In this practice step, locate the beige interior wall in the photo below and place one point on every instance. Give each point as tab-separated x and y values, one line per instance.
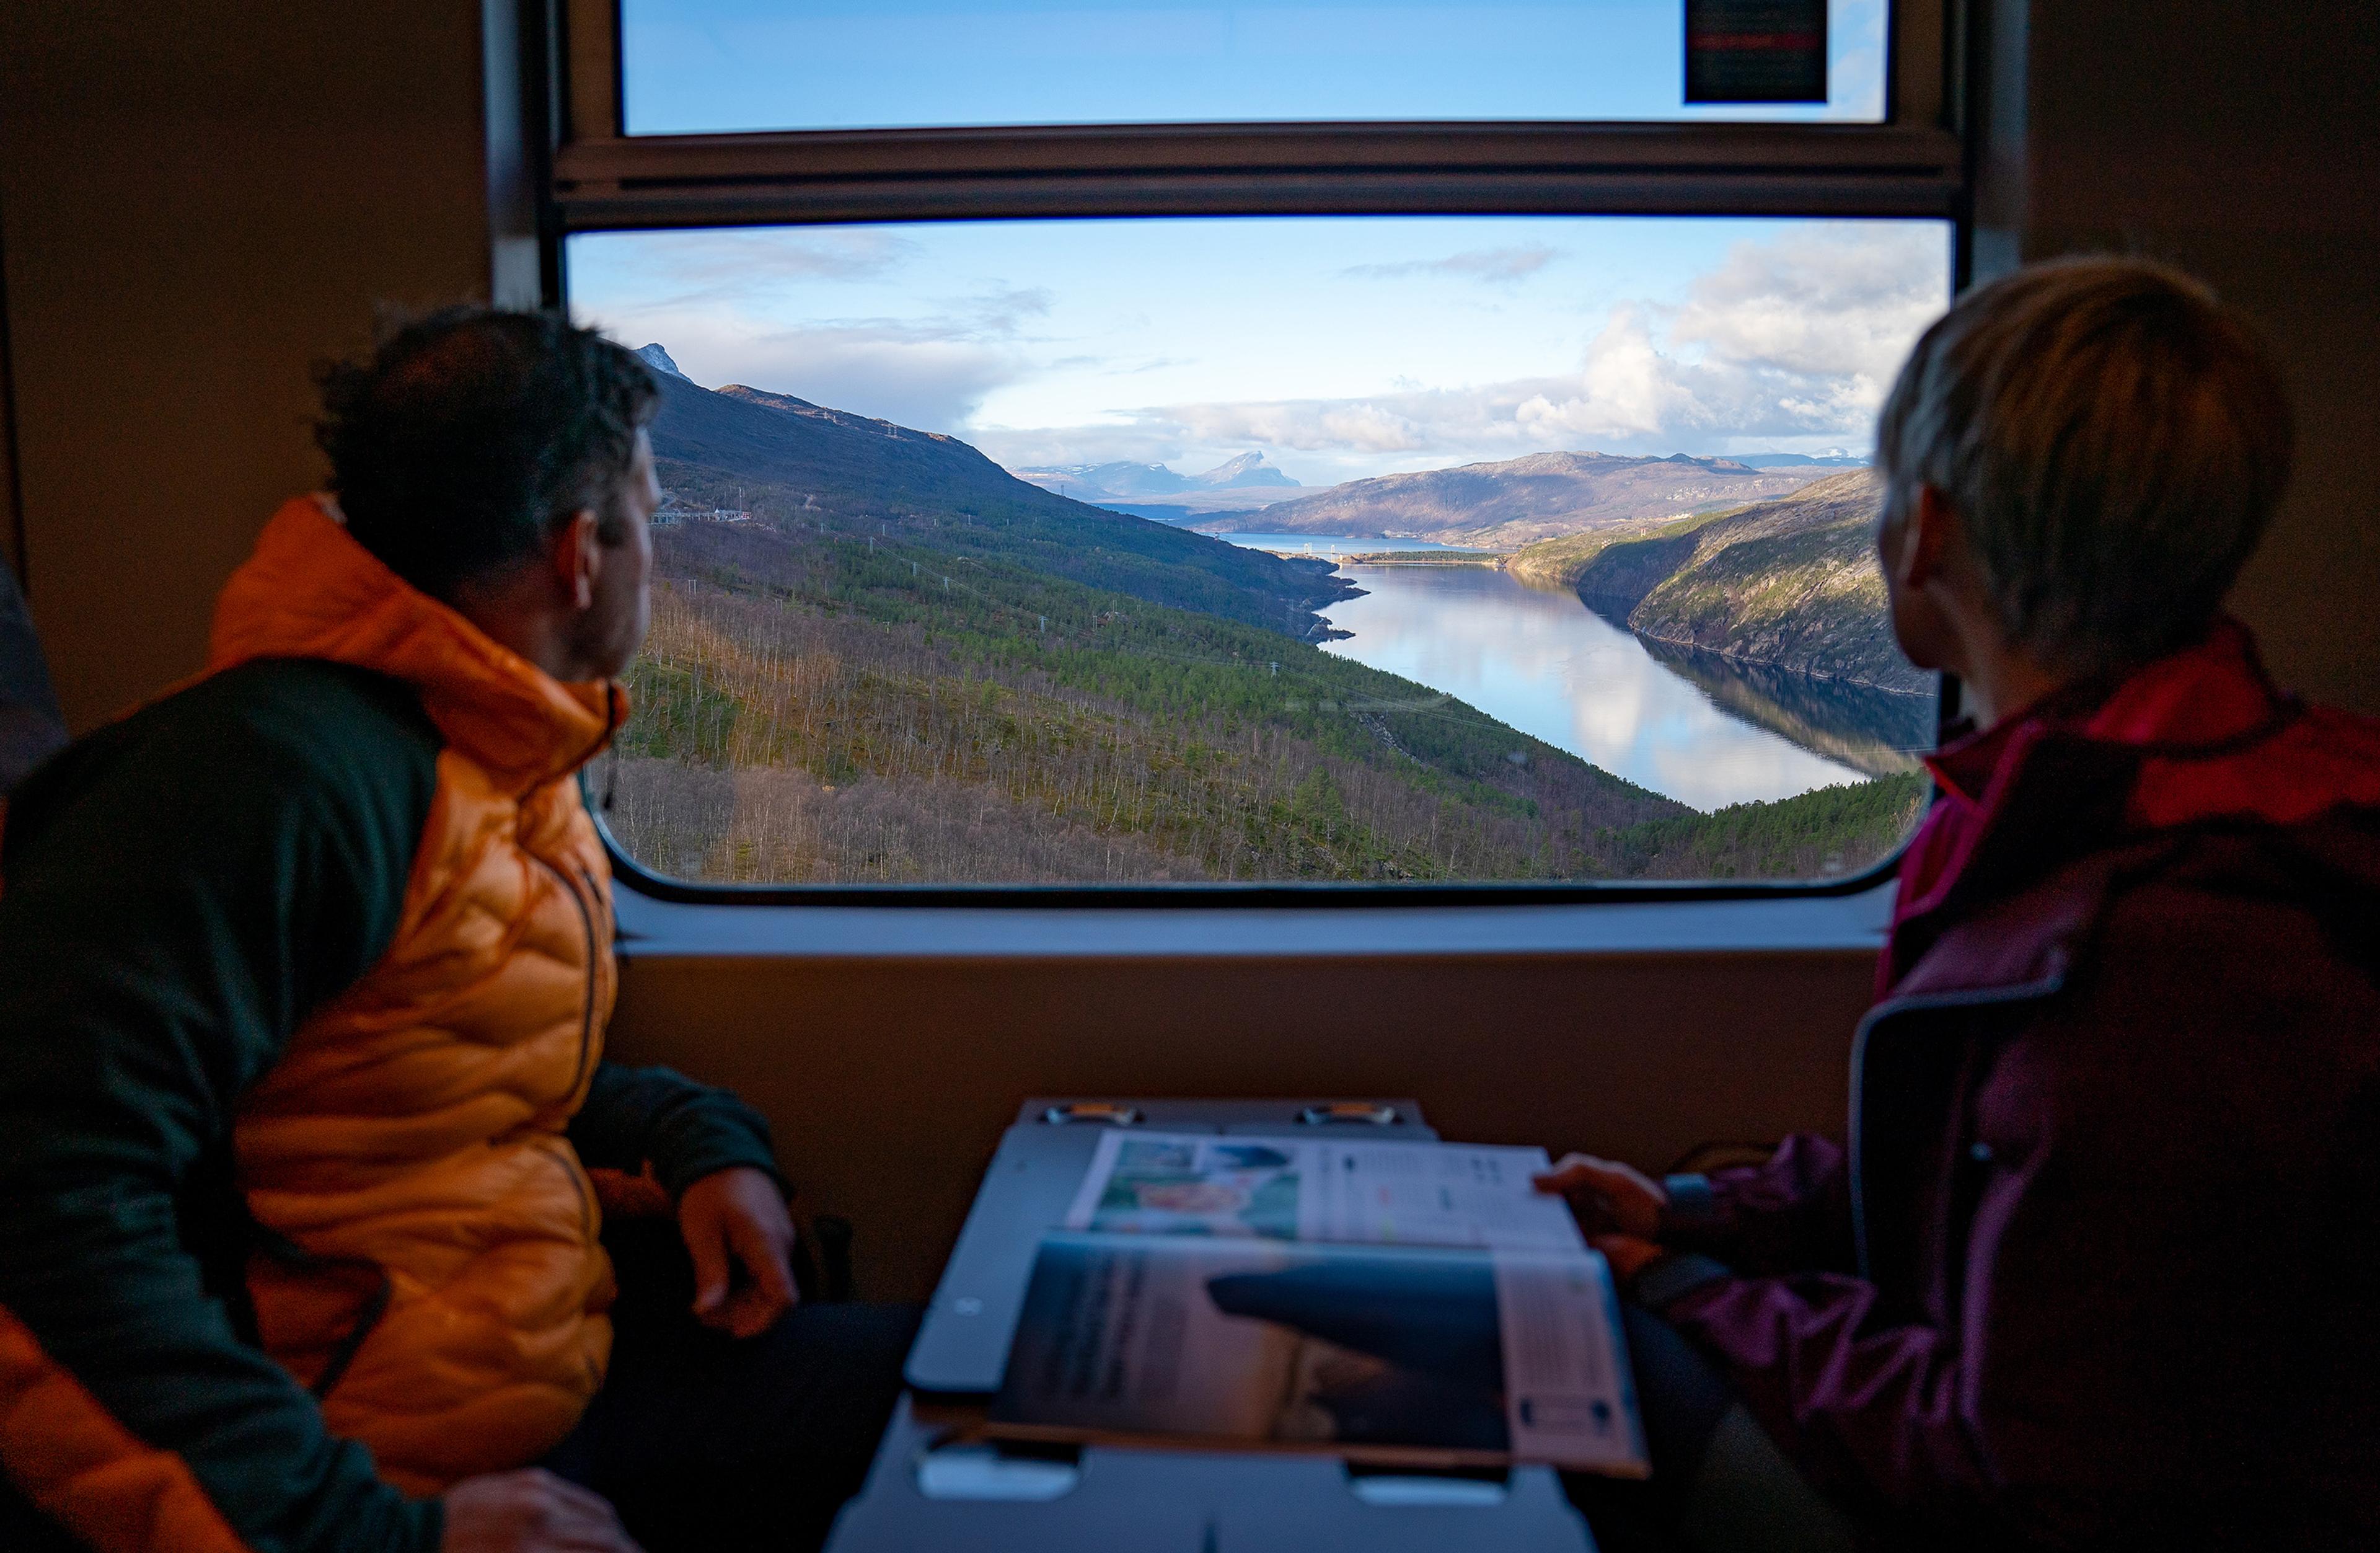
2239	141
198	204
889	1082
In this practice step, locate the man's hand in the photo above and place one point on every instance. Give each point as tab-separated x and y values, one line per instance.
529	1511
1607	1197
739	1213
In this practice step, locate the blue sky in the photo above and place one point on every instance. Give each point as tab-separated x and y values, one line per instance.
1341	347
725	65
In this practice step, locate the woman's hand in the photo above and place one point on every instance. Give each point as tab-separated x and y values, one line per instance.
1607	1197
738	1214
1628	1255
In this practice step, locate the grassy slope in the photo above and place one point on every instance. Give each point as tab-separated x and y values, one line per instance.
1831	831
1212	748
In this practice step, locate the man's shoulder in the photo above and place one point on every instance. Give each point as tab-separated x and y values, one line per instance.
306	704
275	734
292	717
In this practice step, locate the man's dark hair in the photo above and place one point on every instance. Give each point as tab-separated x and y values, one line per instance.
460	445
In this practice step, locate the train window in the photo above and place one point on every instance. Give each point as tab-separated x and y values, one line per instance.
1436	549
711	66
1406	477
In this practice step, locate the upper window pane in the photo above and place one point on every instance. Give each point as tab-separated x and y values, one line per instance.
1429	549
712	65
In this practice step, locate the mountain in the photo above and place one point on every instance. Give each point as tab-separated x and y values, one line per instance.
1243	475
1247	470
1091	482
1834	459
1504	505
1791	582
805	465
659	359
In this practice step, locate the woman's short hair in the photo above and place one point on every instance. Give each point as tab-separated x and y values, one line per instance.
460	446
2113	438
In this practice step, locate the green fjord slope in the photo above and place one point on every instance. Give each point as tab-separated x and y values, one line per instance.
1790	583
830	472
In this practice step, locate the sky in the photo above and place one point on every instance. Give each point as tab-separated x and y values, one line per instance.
692	65
1341	346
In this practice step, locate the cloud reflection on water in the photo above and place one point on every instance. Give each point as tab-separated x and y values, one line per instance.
1543	663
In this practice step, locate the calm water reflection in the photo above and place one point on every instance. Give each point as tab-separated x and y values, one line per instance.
1545	663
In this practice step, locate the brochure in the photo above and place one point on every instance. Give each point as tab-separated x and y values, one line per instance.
1399	1303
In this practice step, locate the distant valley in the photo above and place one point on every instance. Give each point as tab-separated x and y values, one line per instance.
1504	505
1155	491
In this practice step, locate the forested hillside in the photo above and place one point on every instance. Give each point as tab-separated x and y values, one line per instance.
1791	582
810	710
830	472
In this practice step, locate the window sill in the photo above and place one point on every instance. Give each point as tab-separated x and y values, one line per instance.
655	928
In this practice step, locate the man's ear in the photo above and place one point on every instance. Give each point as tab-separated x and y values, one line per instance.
578	558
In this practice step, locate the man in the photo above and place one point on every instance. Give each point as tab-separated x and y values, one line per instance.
307	967
2097	1268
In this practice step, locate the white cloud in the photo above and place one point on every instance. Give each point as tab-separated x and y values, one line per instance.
1790	341
1826	301
1368	426
930	377
1502	265
931	372
680	269
1787	341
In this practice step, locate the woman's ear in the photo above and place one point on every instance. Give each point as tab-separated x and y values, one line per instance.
1930	533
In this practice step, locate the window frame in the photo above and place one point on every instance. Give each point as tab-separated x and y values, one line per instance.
590	176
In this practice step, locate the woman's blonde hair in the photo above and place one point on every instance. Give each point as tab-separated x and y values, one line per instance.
2114	439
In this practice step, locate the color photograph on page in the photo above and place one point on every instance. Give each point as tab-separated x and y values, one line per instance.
1389	1193
1421	1356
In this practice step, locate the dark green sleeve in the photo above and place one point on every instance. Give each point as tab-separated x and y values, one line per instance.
686	1130
179	891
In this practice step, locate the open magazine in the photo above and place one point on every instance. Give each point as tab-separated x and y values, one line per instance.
1415	1303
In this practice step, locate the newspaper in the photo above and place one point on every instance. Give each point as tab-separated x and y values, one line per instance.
1390	1302
1385	1193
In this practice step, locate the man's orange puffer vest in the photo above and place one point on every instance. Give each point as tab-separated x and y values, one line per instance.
405	1156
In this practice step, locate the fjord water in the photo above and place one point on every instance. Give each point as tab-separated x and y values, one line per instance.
1331	546
1547	665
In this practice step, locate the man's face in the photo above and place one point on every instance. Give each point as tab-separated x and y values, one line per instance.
614	626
